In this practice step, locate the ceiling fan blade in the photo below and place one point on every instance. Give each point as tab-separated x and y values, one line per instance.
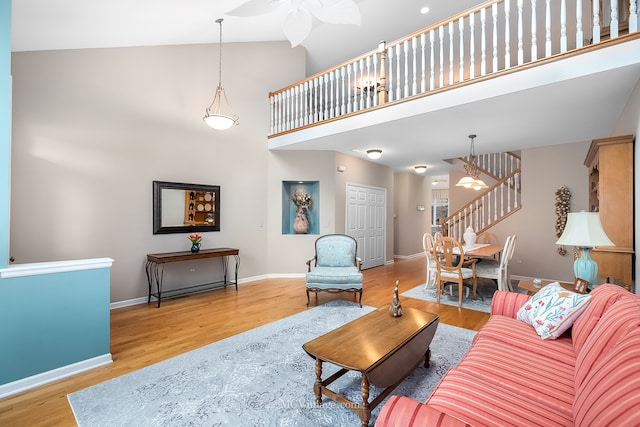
338	12
297	26
254	8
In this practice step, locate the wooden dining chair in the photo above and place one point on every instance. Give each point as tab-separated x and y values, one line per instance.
427	247
451	267
498	270
488	237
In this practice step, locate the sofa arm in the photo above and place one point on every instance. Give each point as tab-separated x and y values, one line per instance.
401	411
507	303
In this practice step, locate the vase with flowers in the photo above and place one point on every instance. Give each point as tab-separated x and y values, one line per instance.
195	239
302	201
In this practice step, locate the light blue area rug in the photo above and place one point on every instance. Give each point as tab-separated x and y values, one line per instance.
261	377
485	291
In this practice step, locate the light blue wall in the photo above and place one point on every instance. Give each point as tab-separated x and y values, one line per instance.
47	321
5	121
52	320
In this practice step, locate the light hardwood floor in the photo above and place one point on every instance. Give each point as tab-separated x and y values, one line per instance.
143	334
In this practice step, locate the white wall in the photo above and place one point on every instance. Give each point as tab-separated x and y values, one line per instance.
93	128
410	224
544	170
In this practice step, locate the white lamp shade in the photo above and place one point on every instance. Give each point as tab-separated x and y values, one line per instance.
219	121
420	169
584	229
465	182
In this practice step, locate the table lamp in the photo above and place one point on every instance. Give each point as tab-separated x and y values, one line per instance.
584	230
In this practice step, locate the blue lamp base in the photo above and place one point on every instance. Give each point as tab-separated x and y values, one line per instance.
585	267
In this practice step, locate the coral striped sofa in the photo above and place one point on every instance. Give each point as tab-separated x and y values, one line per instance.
589	376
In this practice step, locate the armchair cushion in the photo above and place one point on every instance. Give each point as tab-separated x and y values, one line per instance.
320	276
336	251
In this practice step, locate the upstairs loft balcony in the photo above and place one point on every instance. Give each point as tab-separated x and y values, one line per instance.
518	72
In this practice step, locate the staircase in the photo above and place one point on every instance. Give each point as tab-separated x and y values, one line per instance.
495	203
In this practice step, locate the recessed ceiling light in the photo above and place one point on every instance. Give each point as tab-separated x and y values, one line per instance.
424	10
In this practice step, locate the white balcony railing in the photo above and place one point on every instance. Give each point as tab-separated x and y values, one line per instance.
494	37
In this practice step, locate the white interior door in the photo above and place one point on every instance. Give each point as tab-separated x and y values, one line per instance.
366	222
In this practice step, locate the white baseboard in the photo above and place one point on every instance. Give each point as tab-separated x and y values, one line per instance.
53	375
419	254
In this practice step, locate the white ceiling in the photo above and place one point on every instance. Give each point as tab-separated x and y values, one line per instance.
577	109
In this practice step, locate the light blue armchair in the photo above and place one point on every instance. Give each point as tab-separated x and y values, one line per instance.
335	267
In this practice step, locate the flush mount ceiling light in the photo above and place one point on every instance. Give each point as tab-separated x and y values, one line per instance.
215	116
374	154
472	178
420	168
298	21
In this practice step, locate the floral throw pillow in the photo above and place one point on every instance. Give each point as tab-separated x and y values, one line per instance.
553	310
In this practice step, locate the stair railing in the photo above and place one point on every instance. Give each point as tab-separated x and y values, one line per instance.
493	37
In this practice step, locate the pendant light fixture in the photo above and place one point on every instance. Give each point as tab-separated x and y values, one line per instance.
215	116
472	178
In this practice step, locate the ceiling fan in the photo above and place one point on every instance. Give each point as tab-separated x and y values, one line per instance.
298	21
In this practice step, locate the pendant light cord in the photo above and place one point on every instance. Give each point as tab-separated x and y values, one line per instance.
219	21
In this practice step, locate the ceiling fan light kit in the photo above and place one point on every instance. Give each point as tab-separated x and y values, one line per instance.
298	22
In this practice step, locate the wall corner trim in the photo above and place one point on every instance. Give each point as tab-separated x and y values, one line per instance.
40	268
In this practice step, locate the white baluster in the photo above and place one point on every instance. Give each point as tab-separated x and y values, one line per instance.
501	200
294	107
405	48
343	108
414	83
316	102
579	32
472	47
516	186
534	31
509	191
507	35
495	205
289	118
441	34
375	79
327	103
563	26
305	103
332	111
633	16
369	81
272	111
423	62
349	86
547	34
432	61
392	94
520	33
398	74
355	86
596	21
613	27
362	88
451	32
461	64
483	42
494	10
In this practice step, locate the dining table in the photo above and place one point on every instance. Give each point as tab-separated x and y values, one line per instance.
482	250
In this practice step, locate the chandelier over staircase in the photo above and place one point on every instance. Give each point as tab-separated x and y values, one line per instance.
472	177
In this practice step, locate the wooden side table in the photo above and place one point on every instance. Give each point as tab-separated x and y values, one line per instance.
156	263
531	288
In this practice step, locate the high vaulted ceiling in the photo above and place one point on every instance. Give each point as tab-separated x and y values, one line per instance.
571	110
73	24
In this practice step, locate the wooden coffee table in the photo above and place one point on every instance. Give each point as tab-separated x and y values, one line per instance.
382	348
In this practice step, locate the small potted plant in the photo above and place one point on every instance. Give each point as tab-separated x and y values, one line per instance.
195	241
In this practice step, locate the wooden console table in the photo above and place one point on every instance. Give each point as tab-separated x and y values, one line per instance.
156	263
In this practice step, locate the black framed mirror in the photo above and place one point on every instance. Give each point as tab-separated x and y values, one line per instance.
185	208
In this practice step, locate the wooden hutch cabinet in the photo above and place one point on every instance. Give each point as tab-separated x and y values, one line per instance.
610	163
